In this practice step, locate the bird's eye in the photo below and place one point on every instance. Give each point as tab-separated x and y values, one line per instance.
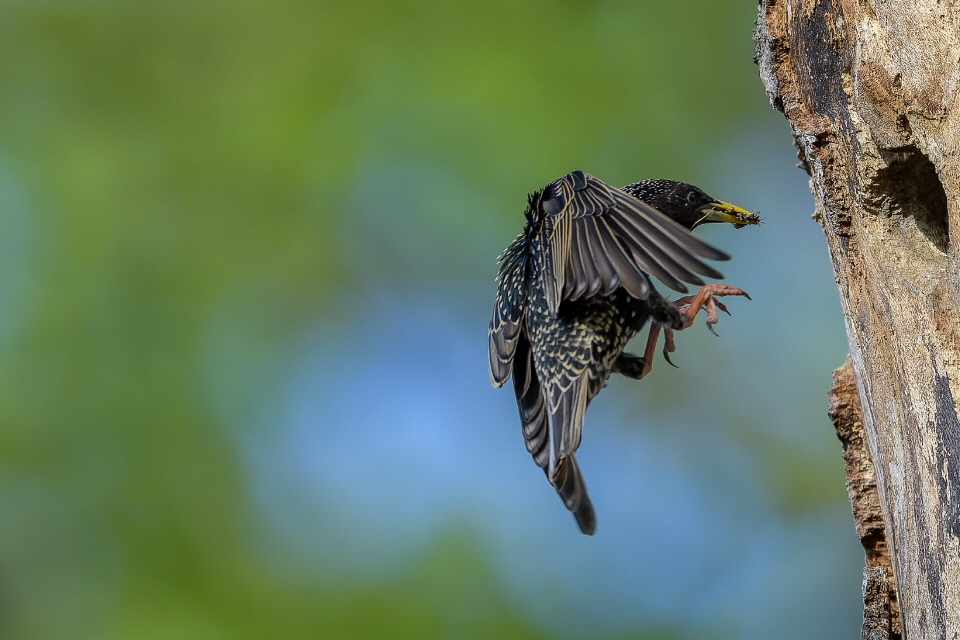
692	197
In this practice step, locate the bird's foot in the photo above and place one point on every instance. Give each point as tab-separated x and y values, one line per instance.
689	306
706	298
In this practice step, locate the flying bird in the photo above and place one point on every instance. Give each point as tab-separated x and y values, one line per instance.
574	287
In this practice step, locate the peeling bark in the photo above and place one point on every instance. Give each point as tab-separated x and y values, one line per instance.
881	615
870	89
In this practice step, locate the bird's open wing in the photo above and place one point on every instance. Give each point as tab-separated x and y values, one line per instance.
507	310
596	237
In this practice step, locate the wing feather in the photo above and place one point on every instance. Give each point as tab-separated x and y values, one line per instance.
631	277
567	478
651	259
596	237
645	230
608	275
508	309
591	275
641	211
574	288
533	414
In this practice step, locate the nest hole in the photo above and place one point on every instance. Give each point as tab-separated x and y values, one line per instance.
909	187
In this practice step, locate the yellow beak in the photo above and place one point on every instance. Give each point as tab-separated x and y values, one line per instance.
718	211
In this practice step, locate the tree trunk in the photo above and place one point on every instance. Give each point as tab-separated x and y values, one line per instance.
870	88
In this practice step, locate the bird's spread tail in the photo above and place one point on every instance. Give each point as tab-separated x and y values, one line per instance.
568	481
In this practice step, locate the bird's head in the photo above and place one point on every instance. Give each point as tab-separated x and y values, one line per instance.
688	205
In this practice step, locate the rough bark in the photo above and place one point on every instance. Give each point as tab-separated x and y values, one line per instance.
870	90
881	615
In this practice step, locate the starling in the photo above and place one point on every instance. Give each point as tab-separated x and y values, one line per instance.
574	287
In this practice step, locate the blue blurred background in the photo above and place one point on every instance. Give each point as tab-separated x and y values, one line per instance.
246	267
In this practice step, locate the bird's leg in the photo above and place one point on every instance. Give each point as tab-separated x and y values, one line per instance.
663	313
630	365
634	366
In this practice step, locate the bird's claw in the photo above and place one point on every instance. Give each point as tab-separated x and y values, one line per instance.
668	346
706	298
689	306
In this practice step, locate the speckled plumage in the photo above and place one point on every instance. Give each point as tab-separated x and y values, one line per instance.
573	288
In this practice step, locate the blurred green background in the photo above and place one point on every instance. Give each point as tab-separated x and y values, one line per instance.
246	266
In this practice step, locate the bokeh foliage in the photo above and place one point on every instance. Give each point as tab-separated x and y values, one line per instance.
176	176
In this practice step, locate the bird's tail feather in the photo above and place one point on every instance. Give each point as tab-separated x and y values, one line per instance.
569	483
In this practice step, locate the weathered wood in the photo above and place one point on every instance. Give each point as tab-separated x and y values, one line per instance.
870	90
881	614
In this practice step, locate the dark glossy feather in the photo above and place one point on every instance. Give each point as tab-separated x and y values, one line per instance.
533	413
579	210
572	289
573	491
508	310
